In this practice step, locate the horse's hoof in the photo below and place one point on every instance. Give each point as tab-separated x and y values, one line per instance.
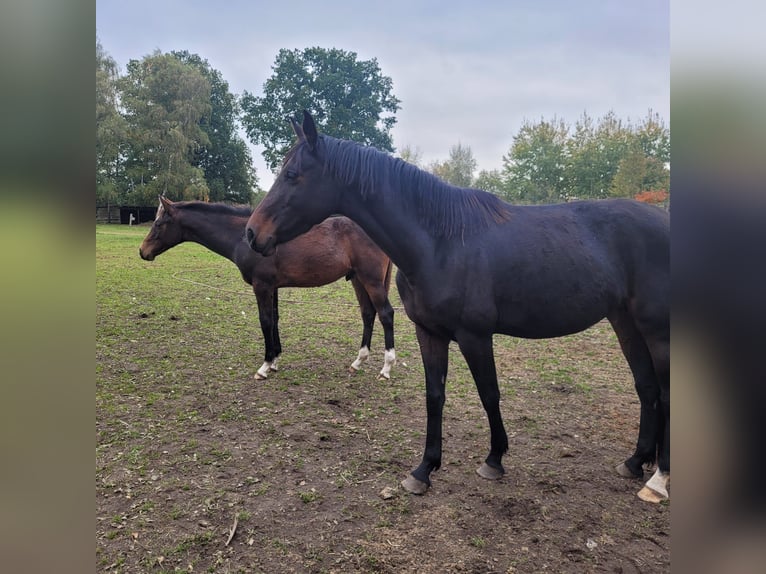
489	472
353	370
259	377
648	495
623	470
414	486
384	377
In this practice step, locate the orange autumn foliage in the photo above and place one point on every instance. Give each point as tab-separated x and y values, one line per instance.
652	196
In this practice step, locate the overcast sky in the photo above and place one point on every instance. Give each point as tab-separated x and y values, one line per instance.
468	72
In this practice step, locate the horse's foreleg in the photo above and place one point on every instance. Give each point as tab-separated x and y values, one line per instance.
266	316
434	351
480	357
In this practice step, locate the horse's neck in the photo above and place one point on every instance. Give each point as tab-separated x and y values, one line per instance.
219	232
393	227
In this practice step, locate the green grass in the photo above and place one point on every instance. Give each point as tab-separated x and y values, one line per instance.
185	435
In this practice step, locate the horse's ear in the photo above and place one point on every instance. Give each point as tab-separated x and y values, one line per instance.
310	130
297	129
167	205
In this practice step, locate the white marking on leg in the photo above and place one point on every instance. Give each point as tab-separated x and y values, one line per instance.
363	355
273	365
263	372
656	488
389	359
658	483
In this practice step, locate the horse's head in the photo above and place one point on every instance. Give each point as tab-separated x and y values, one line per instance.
165	232
302	194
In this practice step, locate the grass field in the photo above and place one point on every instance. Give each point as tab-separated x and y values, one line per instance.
188	443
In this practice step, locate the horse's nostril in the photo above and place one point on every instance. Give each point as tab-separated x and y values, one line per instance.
250	235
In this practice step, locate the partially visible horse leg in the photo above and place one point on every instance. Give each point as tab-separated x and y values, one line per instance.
434	351
386	315
368	322
658	341
479	355
275	332
375	291
266	297
640	361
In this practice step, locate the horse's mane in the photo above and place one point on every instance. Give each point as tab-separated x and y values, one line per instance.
443	209
218	208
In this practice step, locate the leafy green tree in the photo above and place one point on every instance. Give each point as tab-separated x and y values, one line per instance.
165	101
348	98
638	172
595	154
548	162
111	129
459	168
631	172
226	160
493	182
536	165
654	138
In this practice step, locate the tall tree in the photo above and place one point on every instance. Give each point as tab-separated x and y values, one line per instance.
595	155
631	172
111	129
226	160
349	98
638	172
654	137
536	165
459	168
165	101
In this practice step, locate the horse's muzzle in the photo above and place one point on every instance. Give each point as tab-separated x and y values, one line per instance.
265	248
145	256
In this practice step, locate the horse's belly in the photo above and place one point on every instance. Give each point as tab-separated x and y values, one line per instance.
548	321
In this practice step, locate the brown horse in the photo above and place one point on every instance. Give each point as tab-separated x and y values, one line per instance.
335	248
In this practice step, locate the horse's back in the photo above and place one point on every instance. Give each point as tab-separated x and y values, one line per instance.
559	269
337	247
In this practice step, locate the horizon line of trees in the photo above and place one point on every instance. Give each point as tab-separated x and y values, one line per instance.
550	161
169	126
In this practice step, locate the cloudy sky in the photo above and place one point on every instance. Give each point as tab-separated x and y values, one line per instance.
467	72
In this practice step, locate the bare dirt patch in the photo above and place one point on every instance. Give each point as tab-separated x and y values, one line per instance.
187	442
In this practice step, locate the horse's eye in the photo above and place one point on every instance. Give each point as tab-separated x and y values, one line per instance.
291	175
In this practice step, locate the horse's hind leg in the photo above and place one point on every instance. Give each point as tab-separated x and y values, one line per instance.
386	315
657	337
368	321
641	365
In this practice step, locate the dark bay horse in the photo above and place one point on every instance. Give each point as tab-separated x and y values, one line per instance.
471	265
333	249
